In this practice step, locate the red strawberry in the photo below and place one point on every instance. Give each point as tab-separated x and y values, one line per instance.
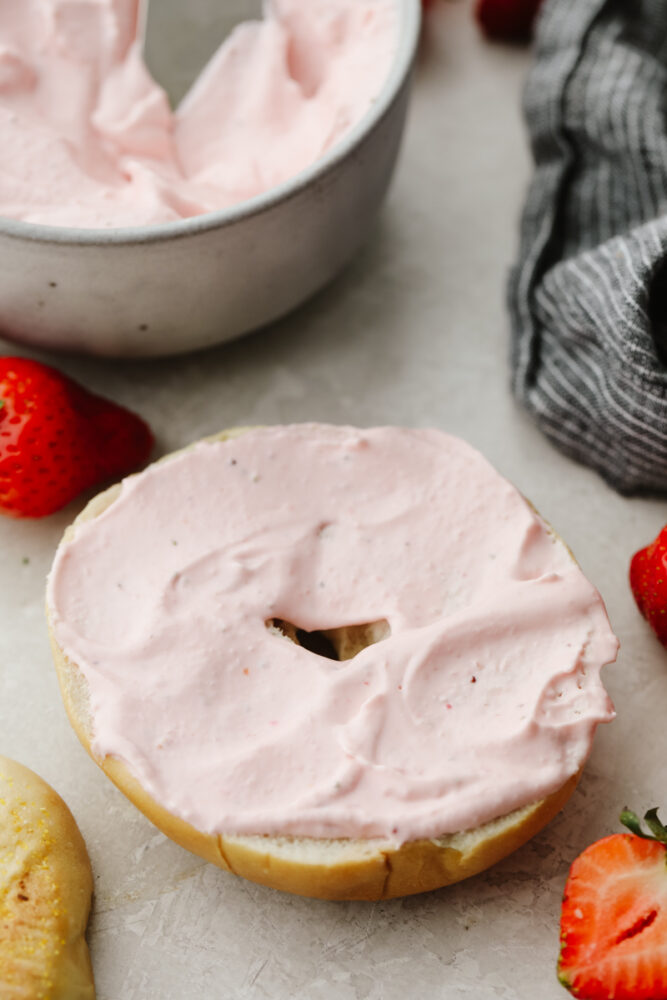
648	582
508	20
613	928
57	439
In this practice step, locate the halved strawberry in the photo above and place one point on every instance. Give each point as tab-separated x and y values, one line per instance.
614	916
57	439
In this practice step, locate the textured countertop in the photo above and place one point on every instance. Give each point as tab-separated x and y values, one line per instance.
414	333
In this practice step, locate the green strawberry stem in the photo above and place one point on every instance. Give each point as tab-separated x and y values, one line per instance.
633	823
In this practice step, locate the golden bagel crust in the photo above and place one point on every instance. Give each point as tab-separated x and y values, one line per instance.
46	887
324	869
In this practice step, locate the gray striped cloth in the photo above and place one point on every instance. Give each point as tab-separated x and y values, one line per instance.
588	297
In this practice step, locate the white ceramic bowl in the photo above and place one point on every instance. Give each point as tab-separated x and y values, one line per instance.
163	289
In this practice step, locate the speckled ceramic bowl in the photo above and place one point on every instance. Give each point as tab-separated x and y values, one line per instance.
183	285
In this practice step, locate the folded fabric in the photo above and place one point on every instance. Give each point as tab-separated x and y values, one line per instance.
588	297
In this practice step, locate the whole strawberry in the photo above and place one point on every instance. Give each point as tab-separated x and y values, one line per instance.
57	439
648	582
508	20
613	929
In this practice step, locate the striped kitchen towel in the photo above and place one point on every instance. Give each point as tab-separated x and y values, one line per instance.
588	297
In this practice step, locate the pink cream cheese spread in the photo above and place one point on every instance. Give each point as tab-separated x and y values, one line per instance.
484	696
88	139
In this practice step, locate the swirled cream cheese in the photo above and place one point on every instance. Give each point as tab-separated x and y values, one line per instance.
483	697
88	139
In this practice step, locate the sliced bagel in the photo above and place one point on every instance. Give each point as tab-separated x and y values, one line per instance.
325	869
45	892
338	869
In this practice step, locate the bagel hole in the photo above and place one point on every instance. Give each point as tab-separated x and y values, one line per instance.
341	643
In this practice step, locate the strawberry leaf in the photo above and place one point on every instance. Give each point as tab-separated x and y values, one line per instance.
658	830
633	823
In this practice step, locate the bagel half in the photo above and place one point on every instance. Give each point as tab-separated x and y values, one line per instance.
341	869
45	891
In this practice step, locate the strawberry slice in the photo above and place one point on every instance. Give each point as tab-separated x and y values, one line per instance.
57	439
648	582
614	916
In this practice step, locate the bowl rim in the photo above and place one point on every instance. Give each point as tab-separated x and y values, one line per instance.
408	30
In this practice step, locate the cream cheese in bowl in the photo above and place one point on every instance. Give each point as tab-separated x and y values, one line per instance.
132	230
87	137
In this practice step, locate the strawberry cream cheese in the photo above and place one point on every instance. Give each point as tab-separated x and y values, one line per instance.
483	697
88	139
